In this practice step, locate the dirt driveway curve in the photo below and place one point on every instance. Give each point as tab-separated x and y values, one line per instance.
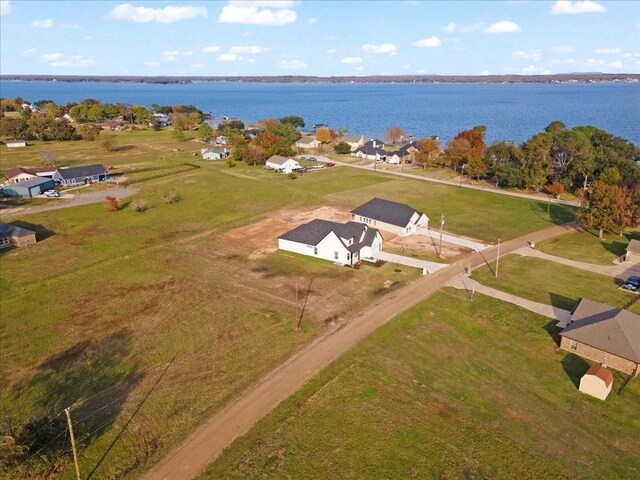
208	442
79	199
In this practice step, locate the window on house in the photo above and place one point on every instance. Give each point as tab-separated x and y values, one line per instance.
315	250
348	256
4	241
573	345
335	255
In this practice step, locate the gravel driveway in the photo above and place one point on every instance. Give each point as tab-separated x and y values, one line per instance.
79	199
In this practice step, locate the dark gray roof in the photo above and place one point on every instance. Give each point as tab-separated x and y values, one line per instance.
84	171
7	230
32	182
368	149
612	330
386	211
313	232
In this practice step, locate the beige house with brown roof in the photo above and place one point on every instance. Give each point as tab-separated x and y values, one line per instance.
597	381
604	334
633	252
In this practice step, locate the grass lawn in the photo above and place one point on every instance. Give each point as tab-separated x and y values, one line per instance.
554	284
585	246
95	311
449	389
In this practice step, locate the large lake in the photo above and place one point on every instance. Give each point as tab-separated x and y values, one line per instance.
510	111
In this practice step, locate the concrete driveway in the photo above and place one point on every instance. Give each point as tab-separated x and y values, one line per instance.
79	199
411	262
453	239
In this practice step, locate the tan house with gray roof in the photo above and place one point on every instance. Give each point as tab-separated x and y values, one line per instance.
633	252
604	334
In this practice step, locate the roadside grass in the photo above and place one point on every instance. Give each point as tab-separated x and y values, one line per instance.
554	284
585	246
448	389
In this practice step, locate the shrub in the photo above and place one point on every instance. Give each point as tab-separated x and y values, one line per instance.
139	205
171	197
342	147
292	176
112	204
555	189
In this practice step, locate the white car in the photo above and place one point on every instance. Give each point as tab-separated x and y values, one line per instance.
51	193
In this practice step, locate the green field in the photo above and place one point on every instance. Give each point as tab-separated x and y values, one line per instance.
95	312
554	284
449	389
585	246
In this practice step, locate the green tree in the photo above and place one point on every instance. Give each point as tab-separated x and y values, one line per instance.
89	131
13	127
178	133
296	121
536	161
205	131
342	148
108	140
606	207
610	176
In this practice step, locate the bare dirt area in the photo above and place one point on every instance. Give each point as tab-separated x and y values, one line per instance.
263	235
422	246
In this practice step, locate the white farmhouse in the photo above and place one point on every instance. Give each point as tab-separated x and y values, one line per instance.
342	243
393	217
308	142
282	164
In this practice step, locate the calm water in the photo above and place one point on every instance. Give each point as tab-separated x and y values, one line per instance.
510	111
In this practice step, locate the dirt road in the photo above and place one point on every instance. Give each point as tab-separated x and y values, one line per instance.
207	443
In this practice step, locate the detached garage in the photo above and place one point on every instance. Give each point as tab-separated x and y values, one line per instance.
29	188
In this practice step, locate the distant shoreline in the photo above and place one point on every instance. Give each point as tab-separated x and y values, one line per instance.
404	79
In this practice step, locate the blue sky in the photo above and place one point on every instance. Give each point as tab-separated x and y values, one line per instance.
318	37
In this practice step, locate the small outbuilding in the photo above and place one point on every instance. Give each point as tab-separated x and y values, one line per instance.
633	252
214	153
16	236
16	143
282	164
30	188
308	142
597	382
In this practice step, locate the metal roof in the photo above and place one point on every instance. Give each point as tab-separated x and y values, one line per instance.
316	230
32	182
84	171
7	230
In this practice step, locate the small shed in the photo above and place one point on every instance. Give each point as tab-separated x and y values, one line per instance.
214	153
633	252
30	188
597	382
16	143
17	236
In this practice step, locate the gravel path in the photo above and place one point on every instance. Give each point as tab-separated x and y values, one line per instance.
207	443
78	199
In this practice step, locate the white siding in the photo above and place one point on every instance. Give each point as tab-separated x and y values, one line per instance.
325	249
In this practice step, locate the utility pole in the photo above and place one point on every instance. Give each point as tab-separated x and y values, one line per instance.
498	258
441	225
549	208
73	442
297	315
461	173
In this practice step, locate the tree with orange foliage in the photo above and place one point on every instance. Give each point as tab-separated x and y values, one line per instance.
112	204
325	135
555	189
394	135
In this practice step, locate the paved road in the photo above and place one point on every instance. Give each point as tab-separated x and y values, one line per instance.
78	199
449	182
410	261
465	283
208	442
453	239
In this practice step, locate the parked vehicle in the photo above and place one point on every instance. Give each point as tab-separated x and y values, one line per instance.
304	158
632	284
312	159
330	164
51	193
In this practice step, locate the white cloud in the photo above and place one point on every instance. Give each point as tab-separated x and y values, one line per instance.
595	62
47	23
312	21
5	7
211	49
527	54
484	73
331	51
51	57
152	64
384	48
406	66
562	49
251	60
360	68
168	14
351	60
74	61
566	7
197	65
422	71
606	51
453	27
532	69
292	64
266	3
188	53
254	13
247	49
616	64
229	57
505	26
428	42
570	61
170	56
29	51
